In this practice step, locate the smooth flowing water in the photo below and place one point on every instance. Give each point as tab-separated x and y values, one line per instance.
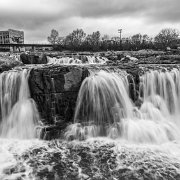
120	141
105	109
19	115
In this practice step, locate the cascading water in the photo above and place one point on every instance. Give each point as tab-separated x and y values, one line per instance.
102	100
162	85
19	115
18	121
85	60
105	109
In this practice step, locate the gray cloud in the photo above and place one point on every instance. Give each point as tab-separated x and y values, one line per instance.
157	10
38	17
107	8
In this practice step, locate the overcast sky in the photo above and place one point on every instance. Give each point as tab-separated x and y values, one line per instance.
38	17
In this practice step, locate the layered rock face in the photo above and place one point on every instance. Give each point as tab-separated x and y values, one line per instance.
55	90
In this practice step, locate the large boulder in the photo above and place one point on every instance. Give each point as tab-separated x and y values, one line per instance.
55	89
25	58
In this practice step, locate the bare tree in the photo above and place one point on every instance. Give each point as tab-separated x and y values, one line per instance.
76	38
136	38
167	37
145	38
54	37
93	40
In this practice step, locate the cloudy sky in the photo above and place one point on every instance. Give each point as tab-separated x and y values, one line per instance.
38	17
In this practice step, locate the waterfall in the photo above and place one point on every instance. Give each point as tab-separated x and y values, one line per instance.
166	85
103	100
104	108
19	115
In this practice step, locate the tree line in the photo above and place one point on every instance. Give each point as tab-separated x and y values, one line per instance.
79	41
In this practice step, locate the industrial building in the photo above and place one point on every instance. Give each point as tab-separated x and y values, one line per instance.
11	36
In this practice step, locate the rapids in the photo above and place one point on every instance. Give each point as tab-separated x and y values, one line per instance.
77	60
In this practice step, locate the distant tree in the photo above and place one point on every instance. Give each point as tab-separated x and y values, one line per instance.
75	39
137	38
54	37
167	37
96	38
136	41
93	40
145	38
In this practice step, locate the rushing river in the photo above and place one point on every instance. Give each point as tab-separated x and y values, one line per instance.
110	138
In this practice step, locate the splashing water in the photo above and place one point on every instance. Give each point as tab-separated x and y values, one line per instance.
19	115
98	158
105	109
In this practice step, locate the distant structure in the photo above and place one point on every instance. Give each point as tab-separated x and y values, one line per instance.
120	31
11	36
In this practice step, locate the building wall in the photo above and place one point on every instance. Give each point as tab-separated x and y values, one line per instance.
4	37
11	36
16	36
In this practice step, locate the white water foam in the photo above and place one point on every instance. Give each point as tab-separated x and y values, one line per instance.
73	60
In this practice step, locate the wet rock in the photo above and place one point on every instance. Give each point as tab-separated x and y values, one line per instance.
7	63
33	58
72	78
24	58
55	90
42	59
129	59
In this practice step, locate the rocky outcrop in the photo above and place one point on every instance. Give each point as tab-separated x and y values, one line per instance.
7	63
117	55
33	58
161	59
55	90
